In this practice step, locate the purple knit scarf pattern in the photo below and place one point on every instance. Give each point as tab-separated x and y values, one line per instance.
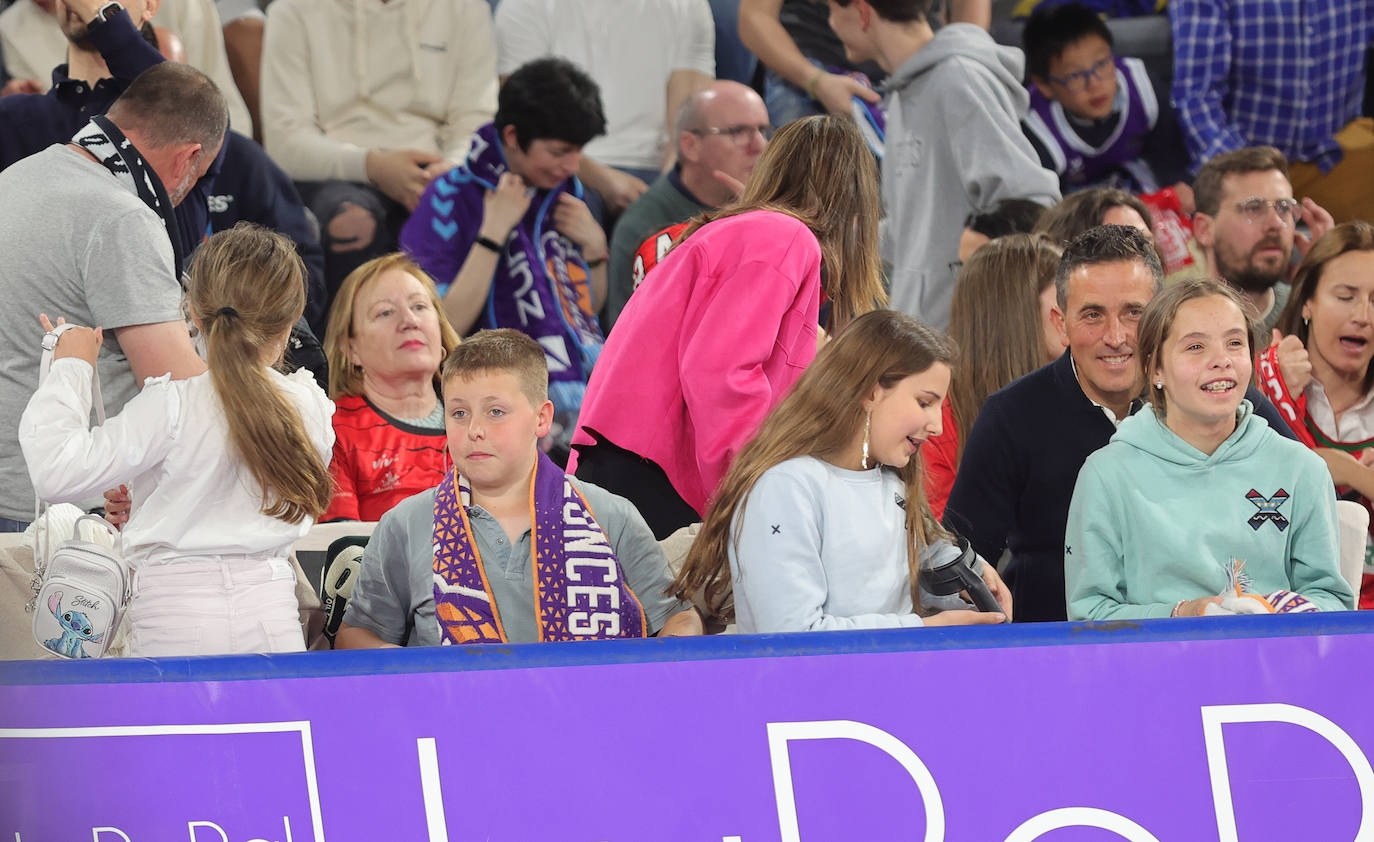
579	588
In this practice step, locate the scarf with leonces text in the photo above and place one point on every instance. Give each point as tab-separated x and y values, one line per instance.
580	591
103	139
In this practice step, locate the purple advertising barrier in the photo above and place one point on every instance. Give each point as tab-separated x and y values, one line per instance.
1245	728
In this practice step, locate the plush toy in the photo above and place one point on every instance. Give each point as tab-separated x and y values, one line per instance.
1236	598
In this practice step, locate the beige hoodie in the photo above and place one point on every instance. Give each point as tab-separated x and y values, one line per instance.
340	77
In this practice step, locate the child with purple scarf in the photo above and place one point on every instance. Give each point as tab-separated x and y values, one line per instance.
508	548
507	237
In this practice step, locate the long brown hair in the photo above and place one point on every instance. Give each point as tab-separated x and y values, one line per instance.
994	319
247	289
819	170
1080	211
1343	239
345	375
822	416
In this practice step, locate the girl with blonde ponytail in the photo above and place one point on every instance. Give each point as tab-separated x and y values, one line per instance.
821	521
225	469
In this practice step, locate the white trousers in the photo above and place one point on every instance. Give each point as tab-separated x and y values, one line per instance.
214	606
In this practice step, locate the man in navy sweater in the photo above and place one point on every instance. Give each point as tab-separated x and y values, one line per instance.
1019	467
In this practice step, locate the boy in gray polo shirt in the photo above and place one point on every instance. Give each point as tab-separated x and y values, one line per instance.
610	577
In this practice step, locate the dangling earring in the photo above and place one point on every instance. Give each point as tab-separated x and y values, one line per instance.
868	419
1306	323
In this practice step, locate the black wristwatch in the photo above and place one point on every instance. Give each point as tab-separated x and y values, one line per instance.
103	14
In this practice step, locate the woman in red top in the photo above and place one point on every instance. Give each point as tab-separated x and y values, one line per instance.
385	339
1318	370
996	320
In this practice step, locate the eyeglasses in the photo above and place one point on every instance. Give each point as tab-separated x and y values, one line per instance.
1256	210
741	134
1079	81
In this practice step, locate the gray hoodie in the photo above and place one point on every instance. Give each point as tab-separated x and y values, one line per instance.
954	147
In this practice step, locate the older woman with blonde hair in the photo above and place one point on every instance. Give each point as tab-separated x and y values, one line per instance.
387	335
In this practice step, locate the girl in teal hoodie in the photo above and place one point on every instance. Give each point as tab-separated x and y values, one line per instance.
1195	482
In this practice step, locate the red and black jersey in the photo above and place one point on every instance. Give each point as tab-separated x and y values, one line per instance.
651	251
379	461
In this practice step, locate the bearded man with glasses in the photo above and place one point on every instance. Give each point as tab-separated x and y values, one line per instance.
1247	224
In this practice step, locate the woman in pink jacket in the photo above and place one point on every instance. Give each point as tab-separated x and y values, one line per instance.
728	320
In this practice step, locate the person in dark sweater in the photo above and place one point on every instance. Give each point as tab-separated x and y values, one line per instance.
1018	471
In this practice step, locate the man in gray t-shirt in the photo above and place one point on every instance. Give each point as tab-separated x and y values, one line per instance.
78	242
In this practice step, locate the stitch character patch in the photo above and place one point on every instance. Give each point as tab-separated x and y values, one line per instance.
1268	509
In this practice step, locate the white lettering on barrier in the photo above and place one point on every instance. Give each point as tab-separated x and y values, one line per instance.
191	829
780	733
95	834
429	785
1037	826
1214	716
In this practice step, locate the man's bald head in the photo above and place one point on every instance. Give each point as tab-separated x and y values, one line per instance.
723	127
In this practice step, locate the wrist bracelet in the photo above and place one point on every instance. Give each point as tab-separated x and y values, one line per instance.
811	85
488	243
1177	606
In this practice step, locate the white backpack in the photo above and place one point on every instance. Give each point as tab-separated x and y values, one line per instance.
82	587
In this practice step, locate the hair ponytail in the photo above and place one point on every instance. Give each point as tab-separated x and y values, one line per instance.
249	284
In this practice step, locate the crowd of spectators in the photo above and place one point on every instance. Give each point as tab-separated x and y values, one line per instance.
851	294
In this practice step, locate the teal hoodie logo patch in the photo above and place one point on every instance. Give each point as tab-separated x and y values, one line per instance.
1268	509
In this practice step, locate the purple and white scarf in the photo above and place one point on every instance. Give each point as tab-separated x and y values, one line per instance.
580	591
542	286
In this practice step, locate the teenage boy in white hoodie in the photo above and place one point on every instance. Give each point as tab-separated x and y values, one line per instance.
365	101
954	145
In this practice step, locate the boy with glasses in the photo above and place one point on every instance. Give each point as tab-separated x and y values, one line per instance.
1094	118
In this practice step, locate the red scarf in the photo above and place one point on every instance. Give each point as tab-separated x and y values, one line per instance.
1294	411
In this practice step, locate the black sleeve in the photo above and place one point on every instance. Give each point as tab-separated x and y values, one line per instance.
1041	152
1265	409
265	195
987	489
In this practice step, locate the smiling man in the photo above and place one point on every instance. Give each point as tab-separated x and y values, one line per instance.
1018	470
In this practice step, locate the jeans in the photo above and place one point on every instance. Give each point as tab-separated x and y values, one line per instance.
7	525
787	102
